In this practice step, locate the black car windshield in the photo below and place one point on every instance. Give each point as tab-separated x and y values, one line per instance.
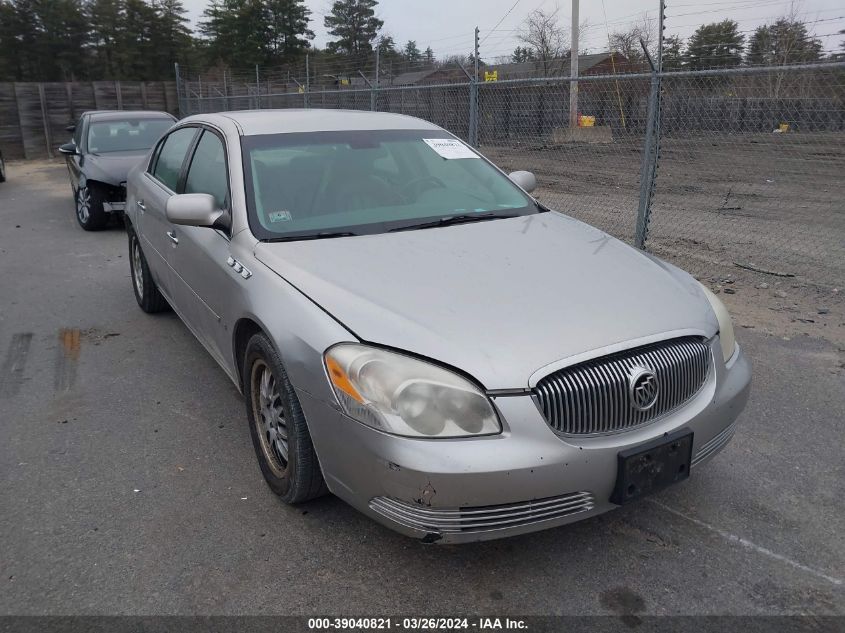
322	184
125	135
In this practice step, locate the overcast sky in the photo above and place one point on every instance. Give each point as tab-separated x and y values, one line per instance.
447	25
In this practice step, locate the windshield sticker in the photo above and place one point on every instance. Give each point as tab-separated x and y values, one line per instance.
280	216
450	148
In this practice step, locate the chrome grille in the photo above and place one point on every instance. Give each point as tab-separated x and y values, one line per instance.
593	397
483	518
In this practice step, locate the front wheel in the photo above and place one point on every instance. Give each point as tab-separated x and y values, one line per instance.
89	208
146	292
279	433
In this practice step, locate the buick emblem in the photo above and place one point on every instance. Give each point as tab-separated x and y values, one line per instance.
642	388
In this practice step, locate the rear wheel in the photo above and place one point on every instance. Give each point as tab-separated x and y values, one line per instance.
89	208
279	433
146	292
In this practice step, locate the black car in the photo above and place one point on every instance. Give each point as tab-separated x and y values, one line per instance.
105	146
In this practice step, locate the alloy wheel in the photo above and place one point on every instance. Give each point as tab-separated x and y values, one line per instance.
83	204
137	267
269	417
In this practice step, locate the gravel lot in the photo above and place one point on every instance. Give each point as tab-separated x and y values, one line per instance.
771	201
129	483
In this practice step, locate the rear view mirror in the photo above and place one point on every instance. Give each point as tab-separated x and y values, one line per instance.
68	148
524	179
193	209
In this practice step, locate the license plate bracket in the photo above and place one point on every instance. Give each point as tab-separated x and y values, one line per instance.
647	468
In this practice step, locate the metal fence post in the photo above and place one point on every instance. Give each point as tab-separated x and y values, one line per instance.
374	93
178	90
257	88
306	101
473	98
648	171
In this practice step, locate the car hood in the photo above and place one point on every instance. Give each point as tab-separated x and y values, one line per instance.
113	167
499	299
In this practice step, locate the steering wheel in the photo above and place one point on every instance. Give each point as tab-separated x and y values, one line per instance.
416	186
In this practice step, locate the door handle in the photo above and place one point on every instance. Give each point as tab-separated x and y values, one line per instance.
140	204
173	237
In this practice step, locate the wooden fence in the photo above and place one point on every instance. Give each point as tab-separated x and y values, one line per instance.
33	116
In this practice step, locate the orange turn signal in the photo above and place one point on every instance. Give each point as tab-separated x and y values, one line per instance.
341	380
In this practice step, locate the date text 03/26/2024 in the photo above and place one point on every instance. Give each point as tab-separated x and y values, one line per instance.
416	624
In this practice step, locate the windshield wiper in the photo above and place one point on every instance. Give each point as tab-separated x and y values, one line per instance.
311	236
464	218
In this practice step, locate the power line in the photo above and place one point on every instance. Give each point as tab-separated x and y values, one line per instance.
499	23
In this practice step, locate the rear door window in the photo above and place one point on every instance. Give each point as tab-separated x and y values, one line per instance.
168	167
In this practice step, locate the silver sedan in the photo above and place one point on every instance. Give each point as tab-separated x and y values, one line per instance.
416	334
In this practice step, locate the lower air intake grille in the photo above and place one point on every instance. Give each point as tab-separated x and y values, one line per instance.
483	518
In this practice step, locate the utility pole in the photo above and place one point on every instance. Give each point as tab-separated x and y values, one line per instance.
476	53
573	73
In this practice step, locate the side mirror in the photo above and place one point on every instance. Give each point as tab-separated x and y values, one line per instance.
524	179
71	127
193	209
68	148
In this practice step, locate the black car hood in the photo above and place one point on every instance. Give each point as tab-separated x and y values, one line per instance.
112	167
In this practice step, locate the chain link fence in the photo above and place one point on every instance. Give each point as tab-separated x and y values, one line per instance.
748	175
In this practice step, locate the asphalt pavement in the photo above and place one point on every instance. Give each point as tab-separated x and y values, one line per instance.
128	483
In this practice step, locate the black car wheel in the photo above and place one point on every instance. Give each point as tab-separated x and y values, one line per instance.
146	292
277	425
2	169
89	208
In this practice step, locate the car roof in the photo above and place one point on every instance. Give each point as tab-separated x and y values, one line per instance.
110	115
252	122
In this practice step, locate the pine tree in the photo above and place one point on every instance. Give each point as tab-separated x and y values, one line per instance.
172	38
673	53
289	34
716	45
105	18
784	42
354	24
428	56
411	53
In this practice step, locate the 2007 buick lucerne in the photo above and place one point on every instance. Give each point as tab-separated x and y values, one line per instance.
416	334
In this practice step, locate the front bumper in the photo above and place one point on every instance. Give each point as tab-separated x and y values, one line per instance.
525	479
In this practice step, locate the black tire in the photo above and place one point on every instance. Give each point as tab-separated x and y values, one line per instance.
293	473
146	292
88	201
2	169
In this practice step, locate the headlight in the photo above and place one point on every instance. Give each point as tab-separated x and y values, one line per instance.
726	328
399	394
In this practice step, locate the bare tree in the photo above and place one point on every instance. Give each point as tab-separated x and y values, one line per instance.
627	42
541	32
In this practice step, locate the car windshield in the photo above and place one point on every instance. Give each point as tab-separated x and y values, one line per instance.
320	184
125	135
